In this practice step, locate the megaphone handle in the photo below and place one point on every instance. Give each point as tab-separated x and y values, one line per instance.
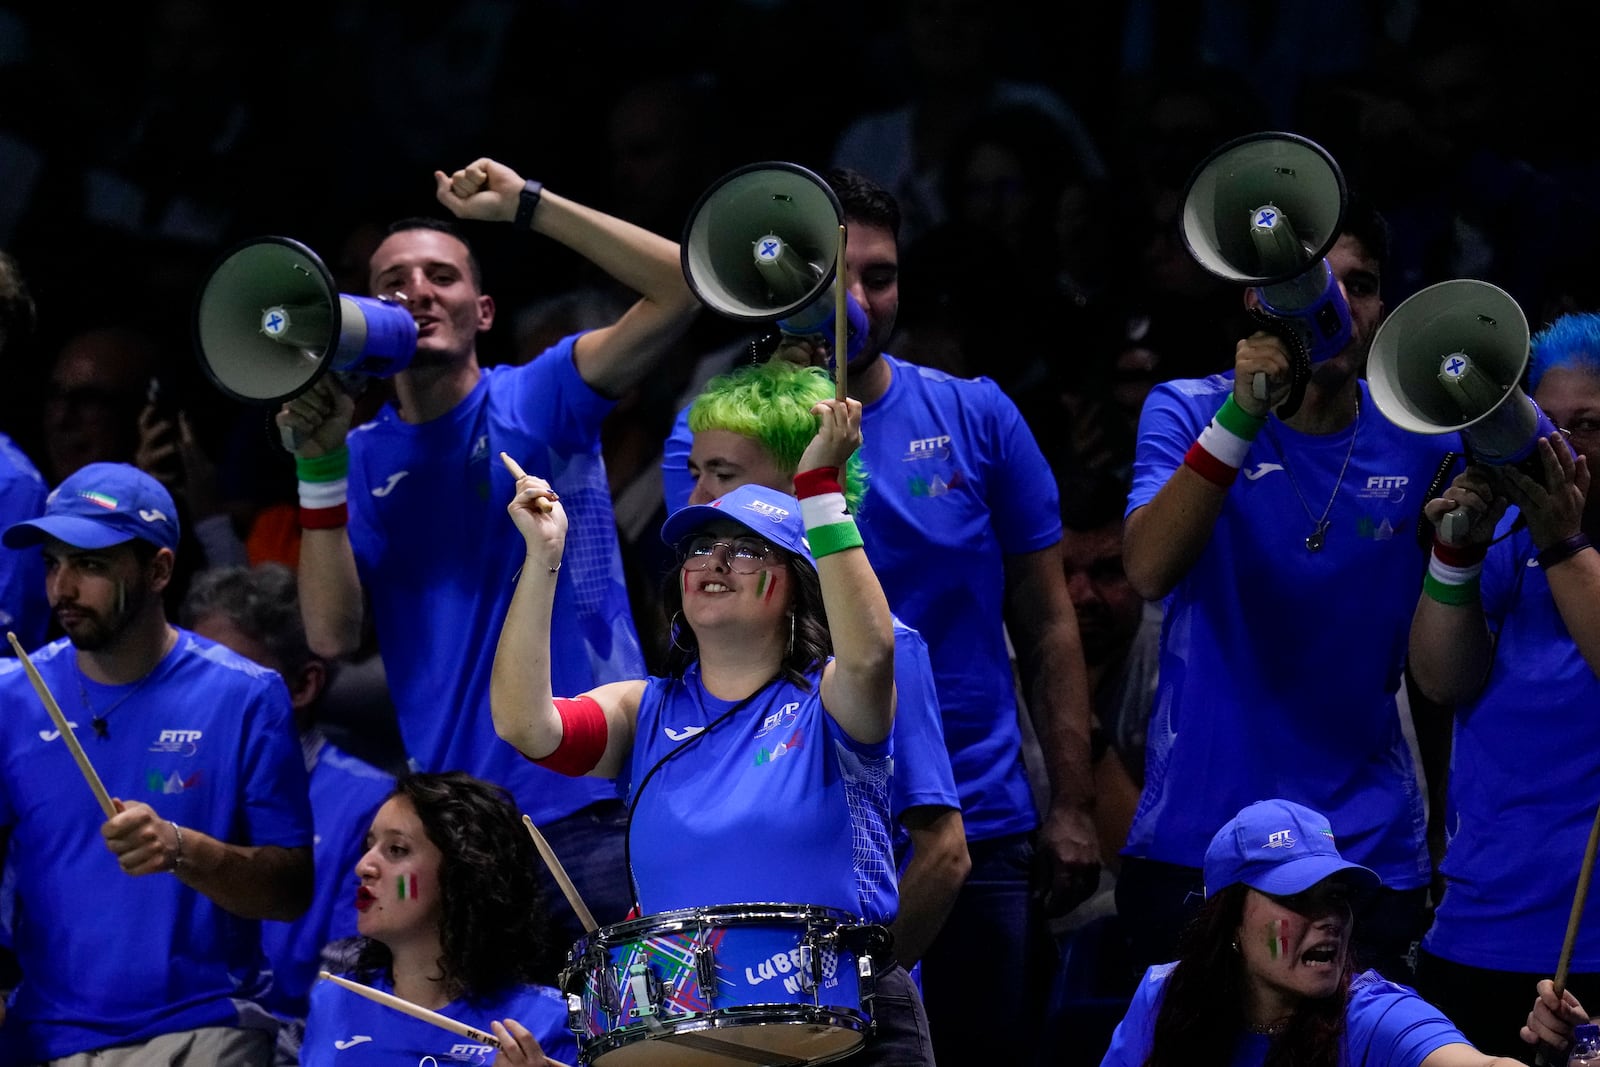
1453	526
1299	365
290	438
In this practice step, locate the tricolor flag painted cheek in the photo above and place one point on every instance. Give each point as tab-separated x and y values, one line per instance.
764	587
406	886
1277	944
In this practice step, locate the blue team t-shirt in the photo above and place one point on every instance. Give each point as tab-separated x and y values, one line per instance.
346	793
1280	667
922	773
439	557
958	483
345	1029
1384	1023
23	607
207	739
1516	834
774	804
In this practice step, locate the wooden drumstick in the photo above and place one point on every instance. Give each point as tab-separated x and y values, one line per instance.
841	324
560	874
542	503
64	727
1585	872
1559	982
416	1011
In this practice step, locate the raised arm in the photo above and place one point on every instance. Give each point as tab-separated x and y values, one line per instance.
525	711
1555	522
314	425
1449	654
1164	538
858	684
614	358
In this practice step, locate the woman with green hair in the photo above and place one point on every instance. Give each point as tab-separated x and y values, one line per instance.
751	426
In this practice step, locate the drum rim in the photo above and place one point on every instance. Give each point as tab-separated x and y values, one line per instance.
717	915
737	1017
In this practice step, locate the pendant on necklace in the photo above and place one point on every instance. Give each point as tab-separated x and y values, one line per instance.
102	731
1318	536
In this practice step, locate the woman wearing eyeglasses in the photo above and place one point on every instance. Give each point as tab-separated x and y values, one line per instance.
758	767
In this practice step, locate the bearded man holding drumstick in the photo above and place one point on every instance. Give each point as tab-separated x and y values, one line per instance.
211	823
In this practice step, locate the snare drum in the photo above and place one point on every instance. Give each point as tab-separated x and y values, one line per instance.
781	984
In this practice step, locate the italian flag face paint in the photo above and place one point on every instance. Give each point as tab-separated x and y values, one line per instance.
765	585
406	886
1277	944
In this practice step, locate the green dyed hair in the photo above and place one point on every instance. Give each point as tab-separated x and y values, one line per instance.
771	403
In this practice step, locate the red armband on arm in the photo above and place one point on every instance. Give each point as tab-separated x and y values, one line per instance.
583	738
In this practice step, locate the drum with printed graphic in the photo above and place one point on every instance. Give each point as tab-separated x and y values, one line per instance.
747	983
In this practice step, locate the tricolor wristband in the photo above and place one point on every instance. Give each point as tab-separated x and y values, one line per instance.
1453	572
829	527
1224	443
324	483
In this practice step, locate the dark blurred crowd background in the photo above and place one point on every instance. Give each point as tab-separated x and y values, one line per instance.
1039	152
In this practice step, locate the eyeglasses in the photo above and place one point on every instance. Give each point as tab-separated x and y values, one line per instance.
744	555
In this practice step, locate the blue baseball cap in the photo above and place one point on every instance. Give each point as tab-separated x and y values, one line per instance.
100	505
1280	848
765	512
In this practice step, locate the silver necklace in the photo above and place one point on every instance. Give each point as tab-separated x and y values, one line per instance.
1319	524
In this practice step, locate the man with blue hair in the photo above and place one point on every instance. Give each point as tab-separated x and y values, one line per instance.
1508	631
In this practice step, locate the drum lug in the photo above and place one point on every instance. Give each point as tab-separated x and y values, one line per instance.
646	990
705	971
577	1018
866	983
808	973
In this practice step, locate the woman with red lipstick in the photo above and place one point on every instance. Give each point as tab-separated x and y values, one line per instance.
1264	976
450	915
757	769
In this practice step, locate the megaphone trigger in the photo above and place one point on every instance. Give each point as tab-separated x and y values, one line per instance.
1453	526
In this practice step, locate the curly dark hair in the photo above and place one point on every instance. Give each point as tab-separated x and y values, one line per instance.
493	928
813	644
1202	1011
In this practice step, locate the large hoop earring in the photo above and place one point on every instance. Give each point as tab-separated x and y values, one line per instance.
675	628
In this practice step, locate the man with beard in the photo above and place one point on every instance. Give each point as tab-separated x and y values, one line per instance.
1289	593
212	830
